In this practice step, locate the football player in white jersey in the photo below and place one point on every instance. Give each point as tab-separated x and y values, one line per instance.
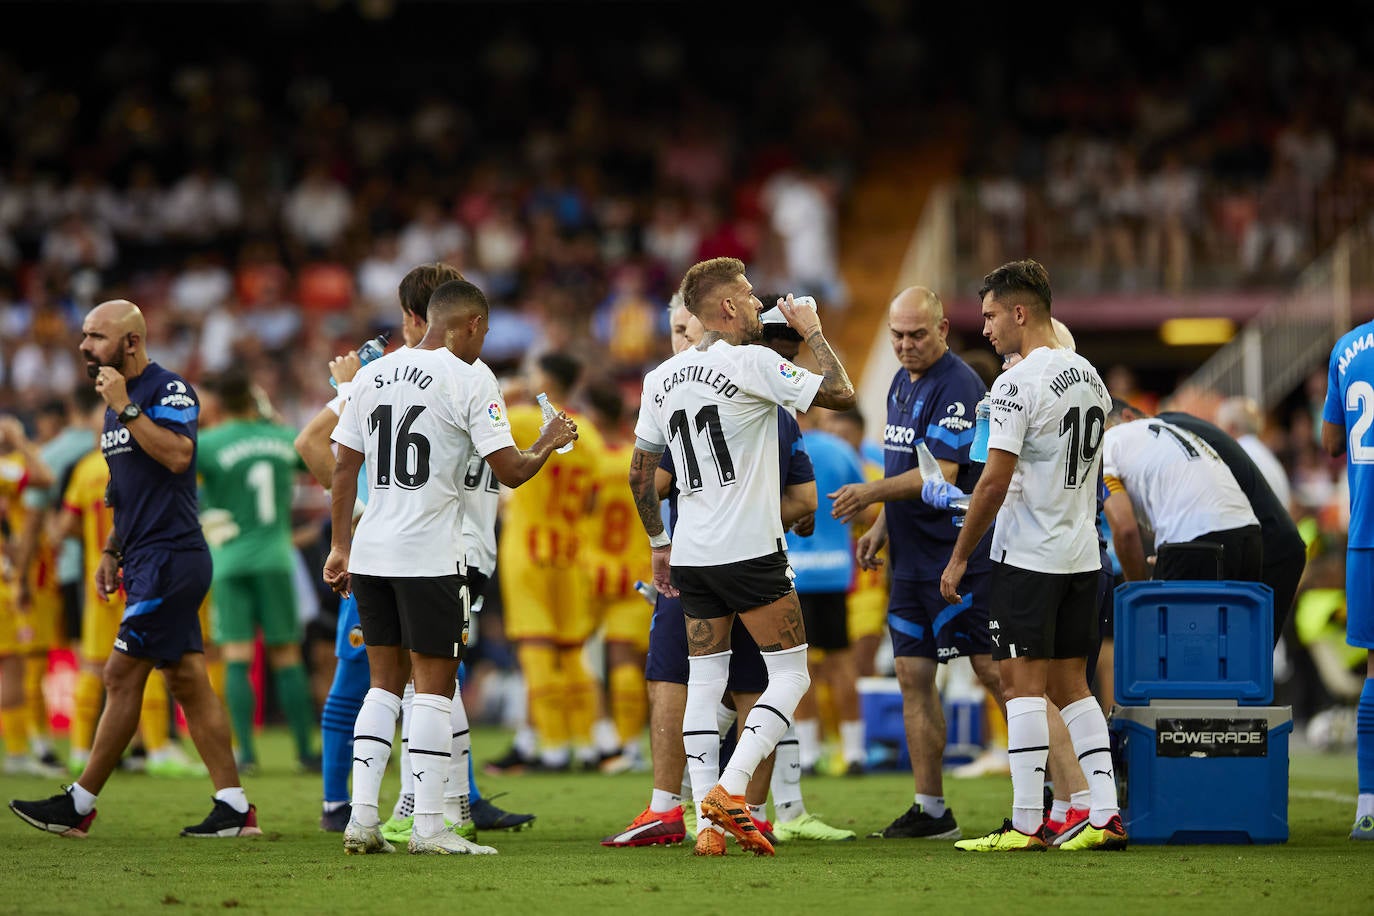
415	416
1170	479
715	406
1049	414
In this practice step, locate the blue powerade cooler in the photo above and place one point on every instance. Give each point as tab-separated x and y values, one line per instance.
1201	756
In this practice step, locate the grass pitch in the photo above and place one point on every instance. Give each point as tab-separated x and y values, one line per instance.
134	862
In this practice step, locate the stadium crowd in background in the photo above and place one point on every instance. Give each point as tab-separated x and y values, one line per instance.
577	212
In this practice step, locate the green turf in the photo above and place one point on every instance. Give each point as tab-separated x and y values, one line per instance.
134	862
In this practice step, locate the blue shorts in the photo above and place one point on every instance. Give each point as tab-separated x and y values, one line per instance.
348	633
1359	598
667	659
165	589
925	625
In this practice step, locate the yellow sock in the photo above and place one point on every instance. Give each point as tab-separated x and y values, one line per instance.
997	723
539	665
15	721
214	670
86	697
629	703
35	670
155	718
580	695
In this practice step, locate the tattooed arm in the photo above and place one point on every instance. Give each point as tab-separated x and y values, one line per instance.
643	470
837	391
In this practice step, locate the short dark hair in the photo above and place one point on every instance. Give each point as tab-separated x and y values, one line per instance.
455	296
86	397
1026	281
773	331
606	399
53	407
562	368
704	277
850	415
1119	407
235	389
419	285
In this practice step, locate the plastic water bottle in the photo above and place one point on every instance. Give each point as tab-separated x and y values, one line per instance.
646	590
550	412
978	451
367	353
930	470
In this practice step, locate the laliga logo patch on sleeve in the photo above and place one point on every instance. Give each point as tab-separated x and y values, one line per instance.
497	416
790	372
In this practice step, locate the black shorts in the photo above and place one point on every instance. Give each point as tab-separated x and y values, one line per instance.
826	615
425	614
731	588
1042	615
667	658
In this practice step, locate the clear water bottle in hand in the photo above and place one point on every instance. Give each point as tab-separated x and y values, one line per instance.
549	412
978	451
367	353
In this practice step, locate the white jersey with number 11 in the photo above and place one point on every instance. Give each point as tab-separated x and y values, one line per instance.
716	409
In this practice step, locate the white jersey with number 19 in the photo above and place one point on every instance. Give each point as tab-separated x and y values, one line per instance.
417	416
1050	410
717	410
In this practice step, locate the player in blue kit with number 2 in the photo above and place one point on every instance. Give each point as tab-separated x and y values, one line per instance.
1346	421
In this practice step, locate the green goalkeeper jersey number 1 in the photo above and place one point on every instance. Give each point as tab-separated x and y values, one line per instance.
247	469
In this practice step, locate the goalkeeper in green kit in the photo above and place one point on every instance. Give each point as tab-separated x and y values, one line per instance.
247	465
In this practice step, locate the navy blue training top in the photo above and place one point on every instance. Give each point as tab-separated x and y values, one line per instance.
154	509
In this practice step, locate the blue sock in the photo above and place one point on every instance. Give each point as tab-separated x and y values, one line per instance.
1364	738
351	677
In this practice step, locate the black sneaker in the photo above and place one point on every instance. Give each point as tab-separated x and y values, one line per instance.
512	763
224	821
489	817
915	824
335	821
55	815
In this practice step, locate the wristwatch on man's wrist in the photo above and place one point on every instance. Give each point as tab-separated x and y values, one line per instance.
130	413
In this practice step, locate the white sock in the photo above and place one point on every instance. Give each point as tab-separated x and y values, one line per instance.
430	739
852	741
759	812
785	785
725	717
83	800
1088	729
605	737
1364	805
526	742
809	742
373	732
662	802
1059	810
706	680
1028	747
457	804
555	758
687	779
788	681
407	783
329	807
1081	800
234	797
934	805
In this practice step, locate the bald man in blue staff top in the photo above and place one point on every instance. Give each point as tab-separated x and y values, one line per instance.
158	554
715	406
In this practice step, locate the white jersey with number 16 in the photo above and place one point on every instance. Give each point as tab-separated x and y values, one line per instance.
417	416
716	409
1050	410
